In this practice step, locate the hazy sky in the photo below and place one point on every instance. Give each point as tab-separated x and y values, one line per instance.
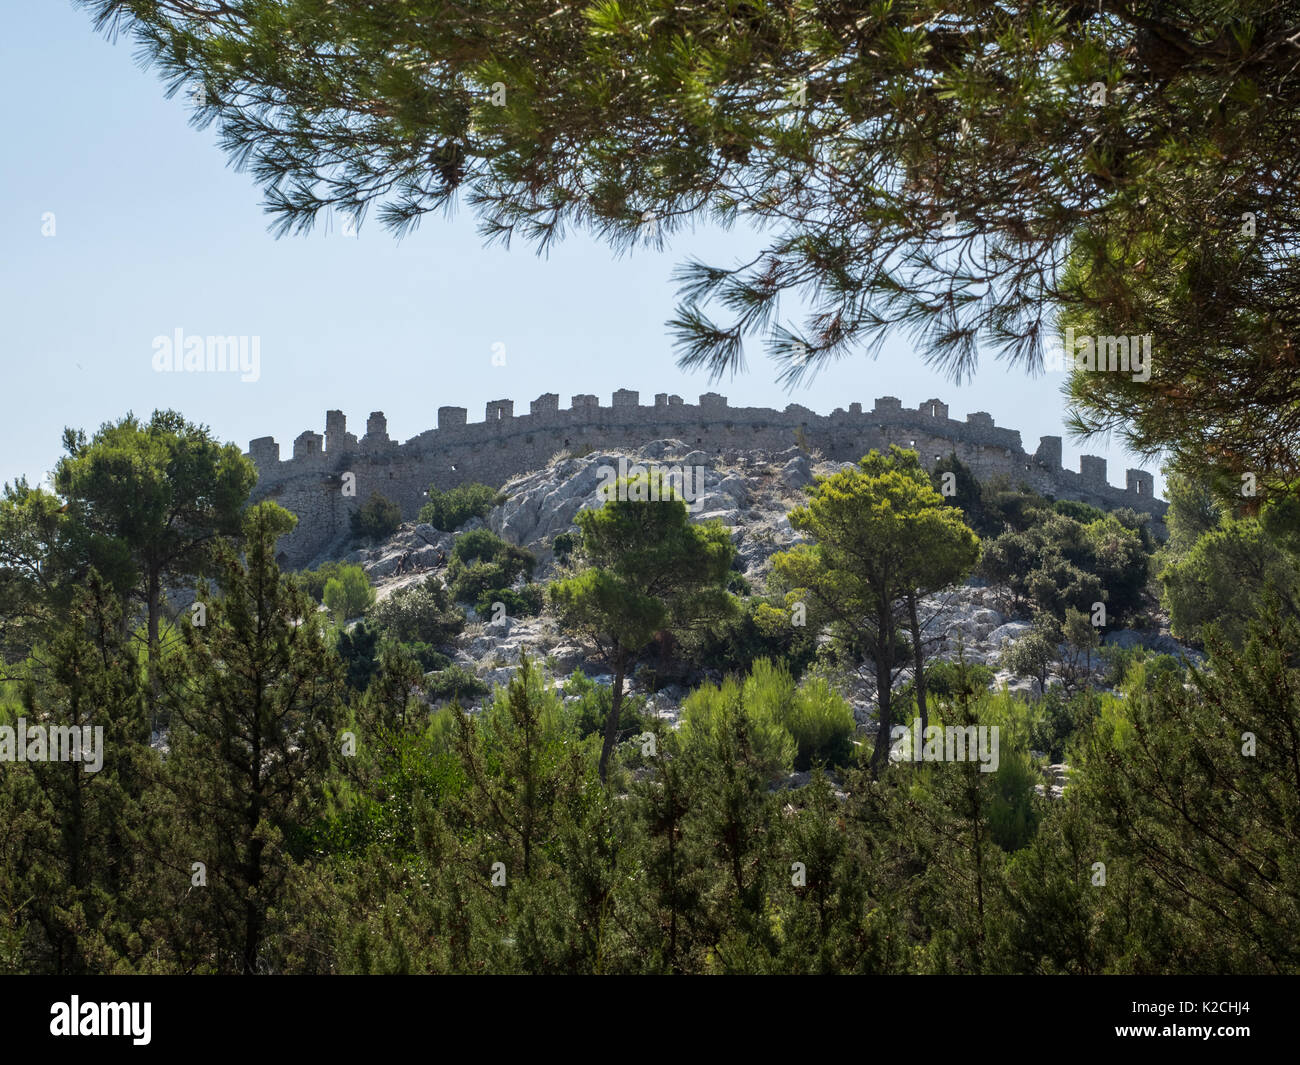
155	232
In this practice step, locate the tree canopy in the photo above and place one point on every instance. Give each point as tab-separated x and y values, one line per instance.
880	533
644	570
975	174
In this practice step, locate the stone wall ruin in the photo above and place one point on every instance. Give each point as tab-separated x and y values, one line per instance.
504	444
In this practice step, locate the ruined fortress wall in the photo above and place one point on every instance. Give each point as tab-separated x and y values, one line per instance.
310	482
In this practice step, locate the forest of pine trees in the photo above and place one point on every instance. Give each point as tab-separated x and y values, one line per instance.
278	793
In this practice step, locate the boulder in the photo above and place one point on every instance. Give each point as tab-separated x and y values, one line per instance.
659	450
1010	632
797	473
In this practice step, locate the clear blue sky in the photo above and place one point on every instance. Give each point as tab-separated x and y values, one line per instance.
154	231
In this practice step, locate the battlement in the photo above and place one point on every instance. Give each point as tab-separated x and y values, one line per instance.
505	444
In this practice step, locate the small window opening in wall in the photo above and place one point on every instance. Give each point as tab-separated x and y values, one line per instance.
937	459
566	443
453	469
911	443
699	440
934	411
1026	465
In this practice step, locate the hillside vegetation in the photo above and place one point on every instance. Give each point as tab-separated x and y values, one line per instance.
825	717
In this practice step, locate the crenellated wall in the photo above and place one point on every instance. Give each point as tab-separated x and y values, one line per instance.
492	451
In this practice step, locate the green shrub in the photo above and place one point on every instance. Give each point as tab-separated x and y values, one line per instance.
1053	725
411	769
524	603
451	509
471	583
943	678
356	650
1058	717
737	584
481	561
761	628
1119	662
1006	507
478	545
819	719
1058	562
429	657
424	614
564	544
710	709
348	595
313	581
454	682
1080	512
1013	816
964	492
1012	810
588	712
1034	653
822	724
791	724
376	518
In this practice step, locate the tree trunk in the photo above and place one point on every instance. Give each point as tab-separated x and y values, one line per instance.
616	704
884	676
154	608
918	659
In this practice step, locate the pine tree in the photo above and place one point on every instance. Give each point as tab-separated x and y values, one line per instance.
255	696
1194	789
77	867
660	896
149	503
881	534
730	829
644	570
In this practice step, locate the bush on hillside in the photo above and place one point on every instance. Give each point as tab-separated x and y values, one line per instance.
377	518
313	581
454	682
481	561
451	509
348	594
424	614
793	724
524	603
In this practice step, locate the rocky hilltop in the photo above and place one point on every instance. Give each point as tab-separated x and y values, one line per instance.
329	476
751	494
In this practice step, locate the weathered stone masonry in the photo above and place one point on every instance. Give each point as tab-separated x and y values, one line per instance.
503	445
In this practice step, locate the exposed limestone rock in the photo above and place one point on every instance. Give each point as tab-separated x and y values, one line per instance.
750	493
